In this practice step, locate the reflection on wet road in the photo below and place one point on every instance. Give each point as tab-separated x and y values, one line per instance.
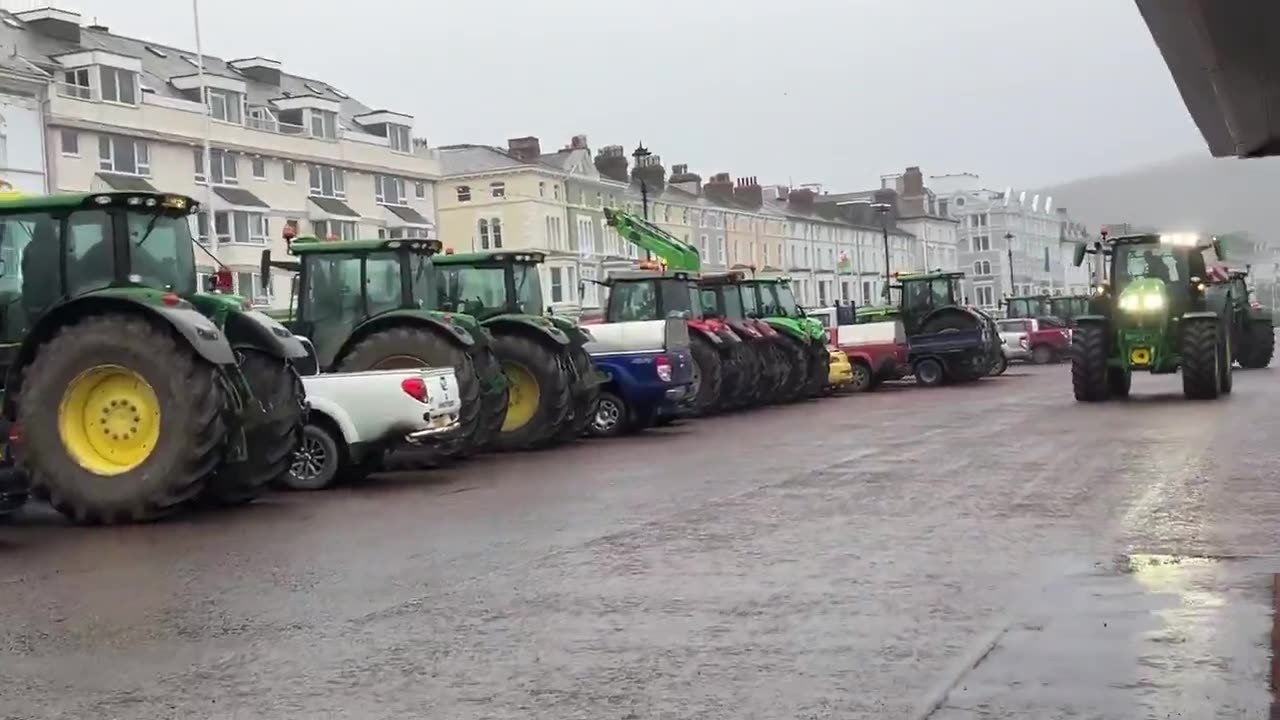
989	551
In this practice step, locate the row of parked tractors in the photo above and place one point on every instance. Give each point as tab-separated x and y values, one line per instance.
134	390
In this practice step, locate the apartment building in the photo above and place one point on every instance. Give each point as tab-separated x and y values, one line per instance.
127	114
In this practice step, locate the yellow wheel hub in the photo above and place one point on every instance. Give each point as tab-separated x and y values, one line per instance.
523	398
109	420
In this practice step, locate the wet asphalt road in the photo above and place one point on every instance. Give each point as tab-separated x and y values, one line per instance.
985	551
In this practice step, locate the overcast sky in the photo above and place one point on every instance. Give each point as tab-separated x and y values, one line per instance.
830	91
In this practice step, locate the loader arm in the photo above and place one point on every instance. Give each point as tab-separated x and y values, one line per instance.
677	254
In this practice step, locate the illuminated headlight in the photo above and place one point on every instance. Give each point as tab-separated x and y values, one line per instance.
1144	302
1180	239
1153	302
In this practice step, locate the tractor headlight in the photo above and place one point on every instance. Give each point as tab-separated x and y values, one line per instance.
1153	302
1142	302
1129	303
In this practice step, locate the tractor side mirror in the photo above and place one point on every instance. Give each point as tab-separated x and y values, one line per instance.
678	314
264	268
1078	255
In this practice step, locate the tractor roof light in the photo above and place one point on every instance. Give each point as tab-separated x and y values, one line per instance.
1180	239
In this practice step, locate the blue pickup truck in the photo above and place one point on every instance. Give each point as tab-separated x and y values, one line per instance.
650	373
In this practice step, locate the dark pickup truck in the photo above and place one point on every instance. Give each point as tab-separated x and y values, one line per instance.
958	355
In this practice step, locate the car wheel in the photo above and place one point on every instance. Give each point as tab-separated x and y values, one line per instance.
929	372
316	462
611	416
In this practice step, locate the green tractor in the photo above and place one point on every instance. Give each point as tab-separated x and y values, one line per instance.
129	391
365	305
1155	313
1069	307
1031	307
553	384
804	338
1253	336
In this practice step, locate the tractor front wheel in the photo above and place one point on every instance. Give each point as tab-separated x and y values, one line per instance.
1201	360
539	402
930	373
414	347
710	375
1260	345
273	426
1119	381
1089	364
121	421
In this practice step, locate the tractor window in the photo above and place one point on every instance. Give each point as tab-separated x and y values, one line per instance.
162	255
529	298
770	306
943	291
733	309
331	300
1148	261
786	300
21	259
710	303
422	279
691	304
477	291
90	260
382	283
750	302
632	301
918	295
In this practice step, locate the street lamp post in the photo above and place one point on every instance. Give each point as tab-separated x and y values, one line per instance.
208	131
1008	246
883	209
640	153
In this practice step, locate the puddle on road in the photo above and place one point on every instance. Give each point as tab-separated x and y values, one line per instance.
1142	636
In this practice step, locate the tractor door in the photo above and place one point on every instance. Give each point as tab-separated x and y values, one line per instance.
332	303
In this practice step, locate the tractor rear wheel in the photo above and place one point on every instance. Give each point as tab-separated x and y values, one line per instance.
413	347
1259	345
930	372
1201	359
1225	363
495	395
735	390
1089	364
273	428
584	401
818	369
1119	381
710	374
538	385
775	360
121	421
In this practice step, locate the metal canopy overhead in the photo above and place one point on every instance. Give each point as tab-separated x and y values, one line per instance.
1224	56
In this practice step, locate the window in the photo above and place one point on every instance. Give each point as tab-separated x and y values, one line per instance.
70	143
197	156
590	291
720	250
985	295
225	105
490	233
324	124
75	83
259	164
249	285
118	86
498	189
335	229
557	285
464	193
123	155
982	267
703	249
225	170
328	181
399	137
389	190
242	228
420	190
599	199
289	170
981	243
555	191
484	233
495	228
542	189
979	221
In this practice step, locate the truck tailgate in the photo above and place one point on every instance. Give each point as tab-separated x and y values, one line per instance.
374	404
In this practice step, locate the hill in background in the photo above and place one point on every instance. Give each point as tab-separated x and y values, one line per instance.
1190	193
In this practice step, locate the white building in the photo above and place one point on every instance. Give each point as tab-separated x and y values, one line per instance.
23	159
127	114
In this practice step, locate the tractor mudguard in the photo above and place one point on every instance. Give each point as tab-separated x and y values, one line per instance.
578	335
442	323
541	326
1201	315
1091	319
790	327
706	334
261	331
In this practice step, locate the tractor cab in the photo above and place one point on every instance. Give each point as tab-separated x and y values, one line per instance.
651	292
485	285
920	295
341	284
723	297
58	247
1027	307
1069	307
1157	276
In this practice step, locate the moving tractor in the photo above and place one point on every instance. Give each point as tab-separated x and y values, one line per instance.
368	305
553	384
129	392
1253	336
1157	312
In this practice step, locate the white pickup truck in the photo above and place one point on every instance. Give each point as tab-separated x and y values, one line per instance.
354	418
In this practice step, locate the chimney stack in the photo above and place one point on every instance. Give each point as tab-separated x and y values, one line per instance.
578	142
801	199
912	182
524	149
611	162
720	188
651	171
684	180
748	192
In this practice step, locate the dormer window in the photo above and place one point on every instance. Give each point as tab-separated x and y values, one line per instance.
75	83
398	137
324	124
226	105
119	86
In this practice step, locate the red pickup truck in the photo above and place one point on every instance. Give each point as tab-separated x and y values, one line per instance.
1047	341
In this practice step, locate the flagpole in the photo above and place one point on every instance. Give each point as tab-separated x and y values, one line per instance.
208	131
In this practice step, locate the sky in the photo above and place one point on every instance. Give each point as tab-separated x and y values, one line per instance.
836	92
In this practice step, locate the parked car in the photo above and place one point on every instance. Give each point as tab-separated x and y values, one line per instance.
1048	339
1013	333
651	373
876	351
355	418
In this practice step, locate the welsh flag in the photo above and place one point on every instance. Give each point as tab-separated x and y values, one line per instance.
845	263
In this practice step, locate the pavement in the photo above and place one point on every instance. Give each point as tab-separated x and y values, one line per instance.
986	551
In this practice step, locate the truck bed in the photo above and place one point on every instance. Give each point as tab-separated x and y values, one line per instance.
943	343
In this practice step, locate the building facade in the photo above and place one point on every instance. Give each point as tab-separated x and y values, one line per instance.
124	114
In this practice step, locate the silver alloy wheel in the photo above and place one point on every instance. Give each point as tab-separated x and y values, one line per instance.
309	460
607	416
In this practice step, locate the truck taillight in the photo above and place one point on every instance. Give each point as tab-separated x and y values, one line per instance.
415	387
663	364
1023	342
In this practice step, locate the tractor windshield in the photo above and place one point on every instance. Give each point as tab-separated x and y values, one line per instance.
162	252
695	303
477	291
528	289
733	306
631	301
1148	260
422	279
750	301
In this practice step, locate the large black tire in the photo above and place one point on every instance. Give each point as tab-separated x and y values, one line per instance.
273	426
757	374
494	396
797	364
1201	358
584	398
192	433
710	373
819	369
1259	345
1000	366
545	367
930	372
1119	381
413	346
775	360
1089	364
735	393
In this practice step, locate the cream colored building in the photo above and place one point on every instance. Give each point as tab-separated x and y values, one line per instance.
126	114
